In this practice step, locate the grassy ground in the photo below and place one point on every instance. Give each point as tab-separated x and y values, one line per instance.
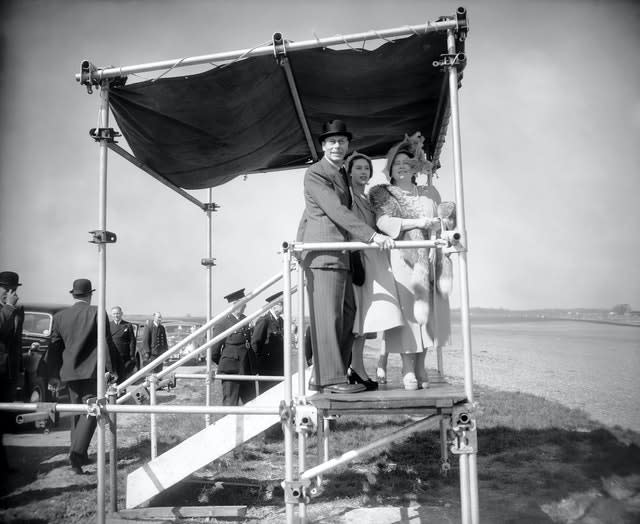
538	462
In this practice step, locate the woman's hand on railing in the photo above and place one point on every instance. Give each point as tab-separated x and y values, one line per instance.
383	241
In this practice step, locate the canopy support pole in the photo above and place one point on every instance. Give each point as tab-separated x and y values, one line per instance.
468	463
101	288
209	262
280	50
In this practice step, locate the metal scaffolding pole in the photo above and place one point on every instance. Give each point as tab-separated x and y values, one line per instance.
102	287
468	475
210	263
90	74
288	394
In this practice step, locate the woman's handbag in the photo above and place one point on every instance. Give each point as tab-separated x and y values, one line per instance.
357	267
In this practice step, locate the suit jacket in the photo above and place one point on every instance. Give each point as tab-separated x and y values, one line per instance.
327	217
124	337
11	318
268	341
73	351
234	354
154	340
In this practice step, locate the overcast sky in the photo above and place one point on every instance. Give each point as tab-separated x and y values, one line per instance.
550	116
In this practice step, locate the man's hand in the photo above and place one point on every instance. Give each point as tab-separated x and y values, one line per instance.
383	241
11	297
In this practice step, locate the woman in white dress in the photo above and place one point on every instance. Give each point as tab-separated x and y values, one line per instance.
403	211
377	305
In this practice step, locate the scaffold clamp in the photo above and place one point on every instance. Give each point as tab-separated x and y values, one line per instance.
286	413
95	406
102	237
107	134
210	207
306	418
208	262
448	60
140	395
295	491
463	434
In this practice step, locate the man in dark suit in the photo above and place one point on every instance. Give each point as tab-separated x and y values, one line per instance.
154	340
234	355
72	358
327	218
124	337
268	342
11	319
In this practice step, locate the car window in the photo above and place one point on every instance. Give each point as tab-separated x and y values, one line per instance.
36	323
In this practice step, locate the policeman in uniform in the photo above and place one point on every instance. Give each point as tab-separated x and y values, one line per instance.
234	355
268	342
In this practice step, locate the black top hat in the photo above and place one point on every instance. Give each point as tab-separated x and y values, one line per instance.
274	296
81	287
333	128
9	279
236	295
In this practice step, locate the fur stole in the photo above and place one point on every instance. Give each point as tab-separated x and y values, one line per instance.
392	201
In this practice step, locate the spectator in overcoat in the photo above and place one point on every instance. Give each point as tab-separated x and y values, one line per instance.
72	359
11	318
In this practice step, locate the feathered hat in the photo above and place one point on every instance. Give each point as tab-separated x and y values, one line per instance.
411	146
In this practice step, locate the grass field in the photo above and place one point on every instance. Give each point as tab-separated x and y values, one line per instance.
538	461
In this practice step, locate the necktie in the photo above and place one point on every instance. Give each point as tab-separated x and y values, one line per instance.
345	178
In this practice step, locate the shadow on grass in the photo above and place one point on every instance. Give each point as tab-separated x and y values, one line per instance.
519	470
29	496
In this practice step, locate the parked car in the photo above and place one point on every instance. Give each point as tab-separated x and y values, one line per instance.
36	336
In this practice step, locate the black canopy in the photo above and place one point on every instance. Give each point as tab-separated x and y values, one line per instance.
203	130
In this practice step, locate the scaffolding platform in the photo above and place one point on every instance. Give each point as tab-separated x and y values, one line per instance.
440	394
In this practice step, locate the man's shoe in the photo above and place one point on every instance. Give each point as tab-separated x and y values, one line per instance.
76	460
344	388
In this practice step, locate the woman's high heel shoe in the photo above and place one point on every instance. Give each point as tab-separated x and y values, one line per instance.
381	375
354	378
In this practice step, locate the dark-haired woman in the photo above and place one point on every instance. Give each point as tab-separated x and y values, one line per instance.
377	303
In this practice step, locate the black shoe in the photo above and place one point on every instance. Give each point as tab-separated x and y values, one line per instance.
344	388
354	378
75	459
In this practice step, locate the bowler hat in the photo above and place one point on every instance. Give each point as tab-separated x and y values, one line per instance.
81	287
236	295
333	128
271	298
9	279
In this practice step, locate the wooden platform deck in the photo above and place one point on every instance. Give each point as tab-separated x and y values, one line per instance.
439	394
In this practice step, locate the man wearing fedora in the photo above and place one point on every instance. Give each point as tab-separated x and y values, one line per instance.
72	358
328	218
11	318
234	354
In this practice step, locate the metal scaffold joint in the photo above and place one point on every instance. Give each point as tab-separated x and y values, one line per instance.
463	436
279	49
140	395
208	262
306	417
462	20
107	134
102	237
286	412
210	207
447	60
295	491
